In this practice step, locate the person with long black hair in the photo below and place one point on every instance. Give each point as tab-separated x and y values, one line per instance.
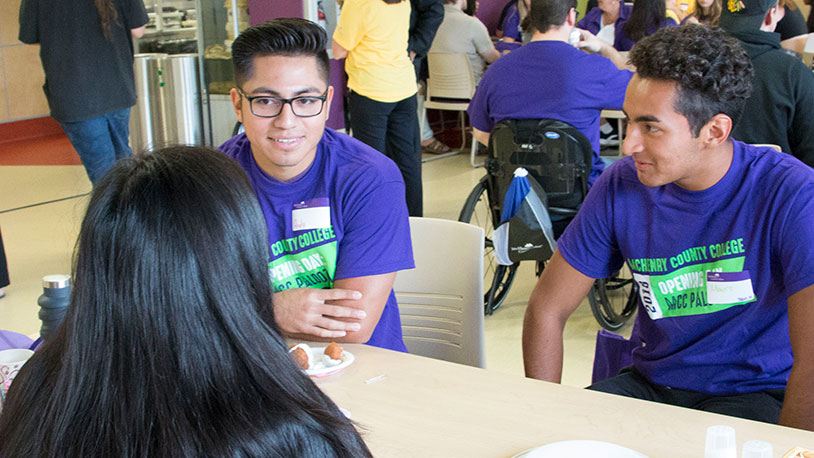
86	49
646	17
164	351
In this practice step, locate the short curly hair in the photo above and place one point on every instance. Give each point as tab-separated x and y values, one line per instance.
712	71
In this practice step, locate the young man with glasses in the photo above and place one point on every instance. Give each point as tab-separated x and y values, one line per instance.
337	221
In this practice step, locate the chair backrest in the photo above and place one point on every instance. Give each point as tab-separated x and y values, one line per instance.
555	153
450	76
441	300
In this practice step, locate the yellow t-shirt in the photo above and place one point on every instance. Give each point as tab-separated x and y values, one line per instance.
375	34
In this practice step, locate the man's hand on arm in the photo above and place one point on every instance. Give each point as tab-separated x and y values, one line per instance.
558	292
347	313
798	405
591	43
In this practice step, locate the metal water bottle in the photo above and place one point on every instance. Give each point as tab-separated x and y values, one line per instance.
56	295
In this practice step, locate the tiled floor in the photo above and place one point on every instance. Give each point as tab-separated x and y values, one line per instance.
39	240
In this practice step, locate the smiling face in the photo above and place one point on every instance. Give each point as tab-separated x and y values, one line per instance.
285	145
609	6
660	140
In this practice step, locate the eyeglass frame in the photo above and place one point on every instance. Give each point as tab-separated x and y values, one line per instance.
323	98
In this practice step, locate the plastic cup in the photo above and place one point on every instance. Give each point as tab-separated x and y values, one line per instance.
721	442
757	449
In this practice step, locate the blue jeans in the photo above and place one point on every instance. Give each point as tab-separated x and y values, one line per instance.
100	141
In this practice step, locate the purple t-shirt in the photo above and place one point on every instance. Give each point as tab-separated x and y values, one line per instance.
550	79
758	221
592	21
511	25
350	217
623	43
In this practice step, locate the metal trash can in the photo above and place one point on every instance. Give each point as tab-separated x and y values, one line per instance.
184	120
148	118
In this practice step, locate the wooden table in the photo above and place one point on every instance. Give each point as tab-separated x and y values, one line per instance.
419	407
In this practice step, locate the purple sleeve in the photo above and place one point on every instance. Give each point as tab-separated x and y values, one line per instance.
795	235
377	232
611	85
592	21
588	243
479	105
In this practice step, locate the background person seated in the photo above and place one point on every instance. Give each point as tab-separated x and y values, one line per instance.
515	15
725	308
460	32
163	351
780	109
550	78
647	17
603	19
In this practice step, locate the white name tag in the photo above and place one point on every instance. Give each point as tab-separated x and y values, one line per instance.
313	214
729	288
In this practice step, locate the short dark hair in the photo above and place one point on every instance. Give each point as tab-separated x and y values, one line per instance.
546	14
712	72
280	37
164	335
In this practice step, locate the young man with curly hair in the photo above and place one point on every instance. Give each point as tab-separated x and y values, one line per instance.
717	234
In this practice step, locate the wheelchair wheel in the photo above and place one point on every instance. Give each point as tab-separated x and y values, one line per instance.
613	300
497	279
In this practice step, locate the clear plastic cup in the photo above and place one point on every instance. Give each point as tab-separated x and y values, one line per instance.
757	449
721	442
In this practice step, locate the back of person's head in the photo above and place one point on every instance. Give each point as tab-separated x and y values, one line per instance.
744	15
712	72
547	14
645	14
163	351
290	37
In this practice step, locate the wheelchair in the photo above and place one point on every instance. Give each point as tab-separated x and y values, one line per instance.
558	158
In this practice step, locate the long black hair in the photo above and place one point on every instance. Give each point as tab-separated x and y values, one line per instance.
163	351
645	14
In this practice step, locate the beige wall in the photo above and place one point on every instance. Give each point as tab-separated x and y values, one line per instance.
21	75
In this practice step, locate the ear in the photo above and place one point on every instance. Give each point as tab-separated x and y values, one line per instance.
716	131
236	102
572	17
328	98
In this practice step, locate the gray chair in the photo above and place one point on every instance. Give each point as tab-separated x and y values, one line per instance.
441	300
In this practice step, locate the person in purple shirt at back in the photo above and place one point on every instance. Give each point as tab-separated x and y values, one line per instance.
716	233
337	222
603	19
549	78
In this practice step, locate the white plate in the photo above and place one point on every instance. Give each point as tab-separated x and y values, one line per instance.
320	369
580	448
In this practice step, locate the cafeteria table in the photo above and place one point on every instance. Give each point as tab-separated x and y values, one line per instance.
412	406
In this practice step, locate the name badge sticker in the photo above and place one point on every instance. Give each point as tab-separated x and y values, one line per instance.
311	214
725	288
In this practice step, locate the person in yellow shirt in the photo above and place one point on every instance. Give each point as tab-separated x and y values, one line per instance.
373	35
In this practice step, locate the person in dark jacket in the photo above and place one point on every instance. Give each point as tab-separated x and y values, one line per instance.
425	17
780	110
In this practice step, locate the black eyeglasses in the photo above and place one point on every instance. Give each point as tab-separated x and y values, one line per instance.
303	106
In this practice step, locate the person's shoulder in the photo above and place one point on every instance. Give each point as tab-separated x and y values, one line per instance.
358	159
771	167
621	175
236	147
